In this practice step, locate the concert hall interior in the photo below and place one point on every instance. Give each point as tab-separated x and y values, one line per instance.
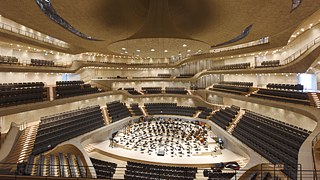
159	89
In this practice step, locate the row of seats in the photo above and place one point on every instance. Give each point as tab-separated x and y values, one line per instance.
224	117
61	165
147	171
170	109
297	87
276	141
136	110
40	62
231	66
117	110
164	75
205	112
56	129
104	169
22	93
151	90
131	91
175	90
230	89
217	174
286	96
76	88
271	63
188	75
237	83
8	60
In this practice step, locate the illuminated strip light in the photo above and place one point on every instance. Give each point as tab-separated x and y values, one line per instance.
264	40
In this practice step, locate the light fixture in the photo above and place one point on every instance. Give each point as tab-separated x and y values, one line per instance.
165	50
152	50
189	50
123	48
184	45
138	50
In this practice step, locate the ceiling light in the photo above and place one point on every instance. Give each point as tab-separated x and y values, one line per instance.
138	50
165	51
123	49
184	45
126	52
188	50
153	50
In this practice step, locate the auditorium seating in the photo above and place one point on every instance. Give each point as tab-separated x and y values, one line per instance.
272	63
297	87
230	89
151	90
21	93
175	90
104	169
205	112
170	109
136	110
61	127
117	110
60	165
218	174
164	75
132	91
224	117
147	171
231	66
8	60
237	83
67	89
39	62
188	75
277	141
286	96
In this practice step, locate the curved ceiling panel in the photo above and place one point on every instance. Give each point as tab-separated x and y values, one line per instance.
47	8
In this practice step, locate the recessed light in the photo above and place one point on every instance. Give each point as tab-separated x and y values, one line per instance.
189	50
138	50
152	50
165	51
126	52
184	45
123	48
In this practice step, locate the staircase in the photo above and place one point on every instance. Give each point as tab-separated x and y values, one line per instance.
197	114
314	99
143	111
105	115
235	121
23	148
119	174
199	175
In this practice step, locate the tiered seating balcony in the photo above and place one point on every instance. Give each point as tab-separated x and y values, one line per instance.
39	62
136	110
21	93
185	76
276	141
175	90
147	171
272	63
8	60
66	89
152	90
117	110
296	87
205	112
170	109
58	128
132	91
286	96
104	169
230	89
231	66
237	83
224	117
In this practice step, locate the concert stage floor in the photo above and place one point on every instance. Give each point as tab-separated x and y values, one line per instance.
132	155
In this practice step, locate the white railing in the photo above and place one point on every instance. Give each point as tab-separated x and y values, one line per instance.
42	38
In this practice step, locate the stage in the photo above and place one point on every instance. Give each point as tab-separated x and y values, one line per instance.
104	148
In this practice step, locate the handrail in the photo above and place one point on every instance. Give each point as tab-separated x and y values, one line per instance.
302	50
314	141
33	35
